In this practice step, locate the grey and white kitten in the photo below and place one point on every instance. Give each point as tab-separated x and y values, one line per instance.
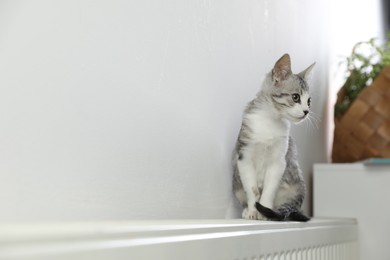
267	179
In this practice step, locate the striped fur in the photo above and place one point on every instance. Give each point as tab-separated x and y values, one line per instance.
267	179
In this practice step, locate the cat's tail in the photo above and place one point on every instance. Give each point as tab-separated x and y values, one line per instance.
282	214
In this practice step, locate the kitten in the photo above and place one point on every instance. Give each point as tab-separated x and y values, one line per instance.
267	179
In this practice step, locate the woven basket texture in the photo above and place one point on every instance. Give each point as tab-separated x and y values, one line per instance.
364	130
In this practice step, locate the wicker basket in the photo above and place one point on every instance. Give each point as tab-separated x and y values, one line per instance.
364	130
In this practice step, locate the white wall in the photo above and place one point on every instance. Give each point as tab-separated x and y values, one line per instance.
130	109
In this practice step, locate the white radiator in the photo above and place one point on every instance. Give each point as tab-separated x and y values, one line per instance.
183	239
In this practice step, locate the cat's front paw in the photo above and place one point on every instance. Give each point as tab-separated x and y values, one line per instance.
251	214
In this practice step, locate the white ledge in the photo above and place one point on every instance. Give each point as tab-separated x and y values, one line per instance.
147	239
350	167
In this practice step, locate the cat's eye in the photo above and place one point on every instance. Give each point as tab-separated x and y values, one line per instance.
309	102
296	98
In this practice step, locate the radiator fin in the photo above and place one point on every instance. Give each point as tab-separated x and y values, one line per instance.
342	251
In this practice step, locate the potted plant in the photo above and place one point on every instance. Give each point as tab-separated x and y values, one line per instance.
362	110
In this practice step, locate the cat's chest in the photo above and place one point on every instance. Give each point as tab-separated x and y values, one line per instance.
266	129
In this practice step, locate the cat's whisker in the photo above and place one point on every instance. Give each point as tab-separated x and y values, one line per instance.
317	118
314	121
309	123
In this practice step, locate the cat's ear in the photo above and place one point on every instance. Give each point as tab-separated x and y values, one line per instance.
307	72
281	70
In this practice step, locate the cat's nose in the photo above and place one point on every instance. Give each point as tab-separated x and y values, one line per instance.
306	112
